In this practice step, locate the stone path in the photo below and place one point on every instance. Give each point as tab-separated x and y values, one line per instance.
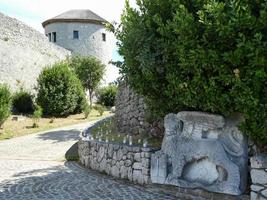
31	167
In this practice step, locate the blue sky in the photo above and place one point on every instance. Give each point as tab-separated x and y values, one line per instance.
34	12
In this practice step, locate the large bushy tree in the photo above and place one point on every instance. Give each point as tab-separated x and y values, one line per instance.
60	92
207	55
90	71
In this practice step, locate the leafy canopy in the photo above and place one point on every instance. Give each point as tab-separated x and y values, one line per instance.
206	55
106	95
60	92
89	70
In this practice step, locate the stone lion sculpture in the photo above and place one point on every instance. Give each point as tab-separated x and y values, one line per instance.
202	150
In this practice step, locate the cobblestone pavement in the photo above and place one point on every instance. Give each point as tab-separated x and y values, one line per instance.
30	169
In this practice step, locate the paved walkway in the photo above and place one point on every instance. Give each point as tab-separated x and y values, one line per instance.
32	167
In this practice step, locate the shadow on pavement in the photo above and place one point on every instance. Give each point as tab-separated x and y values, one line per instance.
61	136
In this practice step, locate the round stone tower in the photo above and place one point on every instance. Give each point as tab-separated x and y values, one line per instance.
82	32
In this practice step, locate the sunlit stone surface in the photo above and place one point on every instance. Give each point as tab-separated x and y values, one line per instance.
202	150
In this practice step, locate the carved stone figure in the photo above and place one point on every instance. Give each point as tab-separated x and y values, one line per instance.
202	150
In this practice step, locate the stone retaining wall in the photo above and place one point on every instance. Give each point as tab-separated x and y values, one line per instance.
117	160
131	113
259	177
133	163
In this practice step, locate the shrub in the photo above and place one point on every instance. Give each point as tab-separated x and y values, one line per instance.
60	92
37	114
5	103
90	71
23	102
101	109
106	95
199	55
86	110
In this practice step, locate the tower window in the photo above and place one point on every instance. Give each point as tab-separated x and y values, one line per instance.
104	37
49	36
54	37
75	34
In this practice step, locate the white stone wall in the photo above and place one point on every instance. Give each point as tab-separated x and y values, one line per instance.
24	52
90	39
259	177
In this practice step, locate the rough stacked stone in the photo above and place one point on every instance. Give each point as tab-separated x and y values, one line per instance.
117	160
131	112
259	177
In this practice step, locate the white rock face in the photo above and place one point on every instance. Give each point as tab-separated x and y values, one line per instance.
24	52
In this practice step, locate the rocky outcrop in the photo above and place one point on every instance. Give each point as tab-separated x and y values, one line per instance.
24	52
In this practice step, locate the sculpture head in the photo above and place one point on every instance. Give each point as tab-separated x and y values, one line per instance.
172	125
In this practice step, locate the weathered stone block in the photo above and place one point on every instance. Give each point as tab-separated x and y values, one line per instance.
145	171
159	167
259	162
119	155
201	150
256	188
256	196
137	165
145	162
115	171
264	193
137	157
258	176
130	174
124	172
128	163
137	176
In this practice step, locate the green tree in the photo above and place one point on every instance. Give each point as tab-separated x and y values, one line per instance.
5	103
90	71
206	55
60	92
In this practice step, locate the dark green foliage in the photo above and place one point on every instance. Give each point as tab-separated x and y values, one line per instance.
106	95
5	103
89	70
60	92
23	102
206	55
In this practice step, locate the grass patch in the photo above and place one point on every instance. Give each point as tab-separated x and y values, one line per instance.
107	132
13	129
72	158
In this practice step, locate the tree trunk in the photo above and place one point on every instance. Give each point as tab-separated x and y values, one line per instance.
91	98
